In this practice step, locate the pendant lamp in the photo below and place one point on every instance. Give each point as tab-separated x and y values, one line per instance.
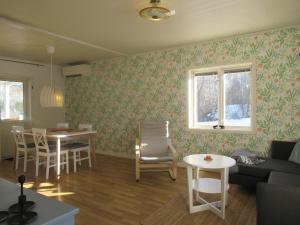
51	96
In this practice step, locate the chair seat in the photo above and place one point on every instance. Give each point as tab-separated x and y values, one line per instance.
52	149
29	145
156	159
76	146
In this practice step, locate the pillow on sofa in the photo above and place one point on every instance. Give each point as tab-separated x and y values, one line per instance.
295	155
246	157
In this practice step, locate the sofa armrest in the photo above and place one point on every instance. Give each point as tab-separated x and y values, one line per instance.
289	179
281	149
277	204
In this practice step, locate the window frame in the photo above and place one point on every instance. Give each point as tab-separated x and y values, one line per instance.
192	99
26	97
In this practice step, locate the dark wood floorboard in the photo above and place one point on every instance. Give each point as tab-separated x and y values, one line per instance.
108	193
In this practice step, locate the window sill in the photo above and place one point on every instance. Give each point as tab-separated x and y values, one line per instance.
233	131
15	121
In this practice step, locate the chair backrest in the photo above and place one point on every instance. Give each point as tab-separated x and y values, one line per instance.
17	128
18	133
40	140
62	125
85	126
154	136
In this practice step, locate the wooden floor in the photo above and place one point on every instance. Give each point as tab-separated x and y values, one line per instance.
108	193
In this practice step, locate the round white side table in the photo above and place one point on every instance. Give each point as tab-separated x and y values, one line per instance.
208	185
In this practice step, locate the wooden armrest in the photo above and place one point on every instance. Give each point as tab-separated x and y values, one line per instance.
137	144
137	148
172	149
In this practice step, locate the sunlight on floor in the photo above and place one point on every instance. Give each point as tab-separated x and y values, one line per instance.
53	194
28	184
48	189
46	185
51	190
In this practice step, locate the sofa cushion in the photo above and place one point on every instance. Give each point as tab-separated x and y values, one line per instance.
264	169
280	165
244	156
253	170
295	155
281	149
245	180
284	178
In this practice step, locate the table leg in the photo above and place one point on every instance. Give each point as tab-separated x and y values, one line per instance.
58	157
15	157
224	186
93	146
190	187
227	185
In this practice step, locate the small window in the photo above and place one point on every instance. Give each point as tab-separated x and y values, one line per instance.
222	98
11	100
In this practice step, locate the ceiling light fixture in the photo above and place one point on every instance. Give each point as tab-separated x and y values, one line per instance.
155	11
51	96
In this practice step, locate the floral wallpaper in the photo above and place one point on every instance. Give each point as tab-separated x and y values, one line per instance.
121	91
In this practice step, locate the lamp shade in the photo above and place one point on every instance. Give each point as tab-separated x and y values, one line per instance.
51	97
155	13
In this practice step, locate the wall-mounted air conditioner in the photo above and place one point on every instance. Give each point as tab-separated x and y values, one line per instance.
77	70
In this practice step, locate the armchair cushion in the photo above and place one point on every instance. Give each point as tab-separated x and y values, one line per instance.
154	139
157	159
154	150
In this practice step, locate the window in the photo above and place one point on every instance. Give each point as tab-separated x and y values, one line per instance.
12	100
221	98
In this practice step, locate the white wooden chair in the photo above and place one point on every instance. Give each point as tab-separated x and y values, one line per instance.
154	150
62	125
48	152
23	149
85	126
82	145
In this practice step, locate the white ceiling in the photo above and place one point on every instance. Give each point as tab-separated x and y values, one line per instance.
116	25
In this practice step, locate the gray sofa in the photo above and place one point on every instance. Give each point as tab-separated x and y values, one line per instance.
278	200
277	183
250	175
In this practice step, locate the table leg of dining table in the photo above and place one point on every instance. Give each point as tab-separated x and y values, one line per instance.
15	157
58	157
93	146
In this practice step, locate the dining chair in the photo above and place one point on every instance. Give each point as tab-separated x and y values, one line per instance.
85	126
48	152
82	145
154	150
62	125
23	149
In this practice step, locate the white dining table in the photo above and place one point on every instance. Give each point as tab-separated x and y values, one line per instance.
65	134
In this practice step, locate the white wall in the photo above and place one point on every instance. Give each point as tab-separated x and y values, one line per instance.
40	117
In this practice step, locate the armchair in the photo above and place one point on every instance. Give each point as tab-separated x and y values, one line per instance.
154	150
